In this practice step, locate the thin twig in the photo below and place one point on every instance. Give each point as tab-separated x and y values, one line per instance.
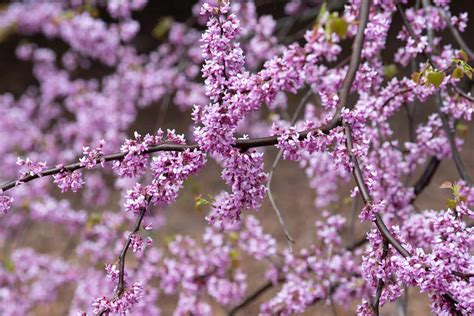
272	170
463	94
265	287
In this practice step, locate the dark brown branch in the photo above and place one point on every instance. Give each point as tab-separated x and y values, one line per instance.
121	281
380	283
243	144
452	142
456	34
355	59
426	177
439	101
463	94
357	173
267	286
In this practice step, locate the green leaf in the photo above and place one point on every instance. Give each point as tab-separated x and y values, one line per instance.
200	202
93	220
322	11
390	71
233	236
462	129
9	265
450	203
458	73
162	28
456	191
234	255
339	26
435	78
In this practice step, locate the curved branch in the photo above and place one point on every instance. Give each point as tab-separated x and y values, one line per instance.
426	177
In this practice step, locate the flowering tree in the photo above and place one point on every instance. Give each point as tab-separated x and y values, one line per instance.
234	71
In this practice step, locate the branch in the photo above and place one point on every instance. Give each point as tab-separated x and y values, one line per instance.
463	94
456	34
253	296
121	281
243	144
355	58
439	101
357	173
426	177
452	142
381	284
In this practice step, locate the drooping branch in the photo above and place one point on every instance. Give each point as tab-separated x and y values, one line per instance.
356	170
252	297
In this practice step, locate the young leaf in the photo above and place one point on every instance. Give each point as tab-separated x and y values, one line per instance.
446	185
339	26
450	203
458	73
199	202
162	28
390	71
435	78
462	129
416	77
233	236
